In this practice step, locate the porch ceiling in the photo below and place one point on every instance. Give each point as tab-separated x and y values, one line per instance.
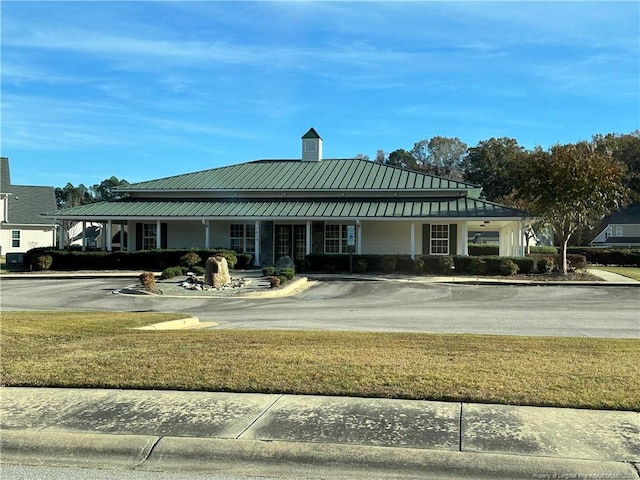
463	207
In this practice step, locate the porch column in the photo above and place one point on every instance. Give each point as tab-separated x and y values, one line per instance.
358	237
256	256
464	239
502	242
158	235
207	233
103	233
413	241
61	236
109	238
84	235
131	241
307	237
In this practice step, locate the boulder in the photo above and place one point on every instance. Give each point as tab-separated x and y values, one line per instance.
284	262
217	272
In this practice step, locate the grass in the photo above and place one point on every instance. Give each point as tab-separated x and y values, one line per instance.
101	350
631	272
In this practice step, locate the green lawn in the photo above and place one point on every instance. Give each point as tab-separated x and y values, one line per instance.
71	349
631	272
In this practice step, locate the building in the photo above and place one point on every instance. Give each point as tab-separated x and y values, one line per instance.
303	206
22	227
621	229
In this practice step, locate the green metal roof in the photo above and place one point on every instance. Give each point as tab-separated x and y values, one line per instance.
462	207
296	175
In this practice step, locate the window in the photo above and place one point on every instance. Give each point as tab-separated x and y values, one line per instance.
149	236
15	238
335	238
439	240
242	237
618	230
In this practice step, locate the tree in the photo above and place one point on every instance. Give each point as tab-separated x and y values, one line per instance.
492	164
103	191
380	156
447	156
70	196
569	186
401	158
624	148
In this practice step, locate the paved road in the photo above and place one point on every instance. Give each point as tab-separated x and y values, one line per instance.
581	311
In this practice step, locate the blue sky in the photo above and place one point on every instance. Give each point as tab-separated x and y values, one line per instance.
144	90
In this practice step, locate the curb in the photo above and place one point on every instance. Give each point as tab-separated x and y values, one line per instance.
182	323
182	454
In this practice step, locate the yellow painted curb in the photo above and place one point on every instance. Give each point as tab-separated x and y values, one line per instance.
180	324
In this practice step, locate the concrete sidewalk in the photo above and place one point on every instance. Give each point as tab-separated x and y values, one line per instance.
312	436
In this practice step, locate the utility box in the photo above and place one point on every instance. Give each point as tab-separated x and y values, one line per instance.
15	261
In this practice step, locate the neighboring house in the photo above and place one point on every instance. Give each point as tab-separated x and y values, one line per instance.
621	229
21	225
310	205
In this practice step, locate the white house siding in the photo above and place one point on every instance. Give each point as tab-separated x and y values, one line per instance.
30	237
389	237
185	234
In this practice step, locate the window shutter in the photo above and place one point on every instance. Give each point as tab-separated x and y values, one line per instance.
163	236
453	239
426	237
138	236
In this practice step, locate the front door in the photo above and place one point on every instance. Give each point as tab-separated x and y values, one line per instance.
291	240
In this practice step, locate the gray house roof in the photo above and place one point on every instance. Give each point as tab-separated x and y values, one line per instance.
25	203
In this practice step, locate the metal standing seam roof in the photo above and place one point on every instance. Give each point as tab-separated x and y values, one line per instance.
461	207
292	175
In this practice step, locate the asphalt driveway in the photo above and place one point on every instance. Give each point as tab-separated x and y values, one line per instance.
580	311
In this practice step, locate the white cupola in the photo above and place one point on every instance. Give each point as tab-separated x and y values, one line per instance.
311	146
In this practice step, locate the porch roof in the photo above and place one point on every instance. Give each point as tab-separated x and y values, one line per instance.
358	208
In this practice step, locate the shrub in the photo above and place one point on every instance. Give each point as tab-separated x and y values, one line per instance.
478	250
243	260
361	265
404	263
283	279
288	273
198	270
43	262
525	265
388	264
543	249
269	271
445	264
274	282
478	266
171	272
545	265
576	262
148	280
462	263
303	265
418	266
508	267
330	268
190	259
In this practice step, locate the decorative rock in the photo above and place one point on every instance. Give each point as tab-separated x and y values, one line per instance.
284	262
217	272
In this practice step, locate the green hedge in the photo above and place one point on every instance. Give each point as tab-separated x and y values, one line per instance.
137	260
480	250
623	257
